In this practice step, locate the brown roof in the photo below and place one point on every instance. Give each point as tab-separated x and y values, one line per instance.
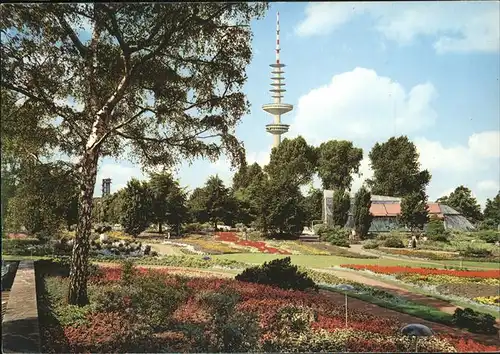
378	210
394	209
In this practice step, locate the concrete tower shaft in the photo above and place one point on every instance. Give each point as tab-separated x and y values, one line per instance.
277	108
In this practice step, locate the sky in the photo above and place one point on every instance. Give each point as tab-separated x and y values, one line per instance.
366	72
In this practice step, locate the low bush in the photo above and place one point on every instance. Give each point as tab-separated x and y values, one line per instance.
489	236
336	235
370	244
393	242
435	230
278	272
474	321
475	252
18	246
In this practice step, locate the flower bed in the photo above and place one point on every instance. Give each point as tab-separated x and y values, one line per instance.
259	245
158	312
465	286
494	273
436	256
210	247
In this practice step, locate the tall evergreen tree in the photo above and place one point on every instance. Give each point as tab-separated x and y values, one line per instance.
340	207
492	210
136	207
361	211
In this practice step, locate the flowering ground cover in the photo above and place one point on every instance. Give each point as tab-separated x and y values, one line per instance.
135	310
480	287
259	245
493	274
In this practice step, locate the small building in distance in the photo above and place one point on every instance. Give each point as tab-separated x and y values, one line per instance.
385	211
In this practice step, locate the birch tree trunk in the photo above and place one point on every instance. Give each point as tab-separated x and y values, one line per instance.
77	292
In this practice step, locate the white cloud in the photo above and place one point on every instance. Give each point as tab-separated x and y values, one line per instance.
486	144
481	153
455	26
360	104
489	186
322	18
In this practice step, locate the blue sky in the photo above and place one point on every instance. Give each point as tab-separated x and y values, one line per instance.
368	71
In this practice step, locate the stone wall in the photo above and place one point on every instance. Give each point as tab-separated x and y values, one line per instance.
20	329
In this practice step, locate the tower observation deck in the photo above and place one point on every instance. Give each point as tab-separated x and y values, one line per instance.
277	108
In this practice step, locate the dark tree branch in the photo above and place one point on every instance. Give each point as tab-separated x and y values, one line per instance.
72	35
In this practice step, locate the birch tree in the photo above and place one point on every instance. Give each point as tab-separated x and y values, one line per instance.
158	83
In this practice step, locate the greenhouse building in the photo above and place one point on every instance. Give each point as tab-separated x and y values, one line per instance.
385	211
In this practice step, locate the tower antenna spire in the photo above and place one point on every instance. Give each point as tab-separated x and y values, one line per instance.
277	108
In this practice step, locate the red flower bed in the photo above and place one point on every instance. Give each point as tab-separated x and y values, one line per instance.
261	246
494	273
110	331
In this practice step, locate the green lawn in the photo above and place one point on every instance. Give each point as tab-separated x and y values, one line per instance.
314	261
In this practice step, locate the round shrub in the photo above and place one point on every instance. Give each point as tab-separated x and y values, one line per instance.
393	242
370	244
278	272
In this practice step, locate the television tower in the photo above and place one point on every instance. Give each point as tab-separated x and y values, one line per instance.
277	108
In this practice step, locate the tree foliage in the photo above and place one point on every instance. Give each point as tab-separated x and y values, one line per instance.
462	200
162	79
361	211
337	161
136	207
341	203
313	204
212	203
168	201
293	161
44	199
396	170
492	210
414	211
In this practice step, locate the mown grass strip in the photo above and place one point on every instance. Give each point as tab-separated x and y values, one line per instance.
418	310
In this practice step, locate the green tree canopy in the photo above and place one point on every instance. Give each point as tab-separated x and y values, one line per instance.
337	161
313	205
341	204
361	211
213	202
45	198
168	200
293	161
136	207
396	170
492	210
164	80
414	211
462	200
